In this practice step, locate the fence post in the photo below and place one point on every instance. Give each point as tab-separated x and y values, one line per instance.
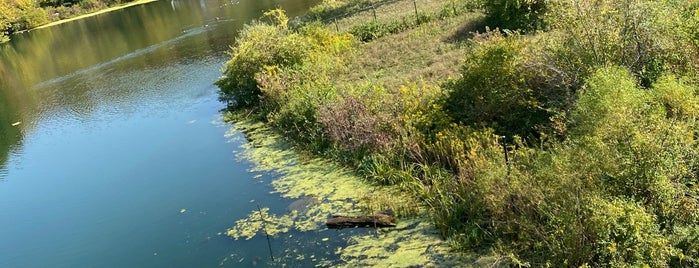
337	28
417	17
507	158
373	8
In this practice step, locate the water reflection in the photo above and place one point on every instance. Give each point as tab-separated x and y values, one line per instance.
52	70
10	130
115	140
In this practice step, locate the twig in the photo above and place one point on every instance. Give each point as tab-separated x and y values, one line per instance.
264	229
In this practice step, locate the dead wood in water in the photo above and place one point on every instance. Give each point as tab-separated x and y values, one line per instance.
381	219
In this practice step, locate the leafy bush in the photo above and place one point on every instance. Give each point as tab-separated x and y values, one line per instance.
624	235
648	37
497	88
260	45
612	193
516	14
373	30
20	15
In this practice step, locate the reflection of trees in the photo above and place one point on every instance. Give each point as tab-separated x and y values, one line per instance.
59	68
10	136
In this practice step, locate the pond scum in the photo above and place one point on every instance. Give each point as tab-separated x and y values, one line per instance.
413	243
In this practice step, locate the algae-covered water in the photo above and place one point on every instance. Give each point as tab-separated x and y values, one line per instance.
335	190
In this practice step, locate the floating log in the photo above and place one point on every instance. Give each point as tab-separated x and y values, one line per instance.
381	219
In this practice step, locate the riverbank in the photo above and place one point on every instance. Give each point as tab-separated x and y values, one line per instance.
564	143
20	17
110	9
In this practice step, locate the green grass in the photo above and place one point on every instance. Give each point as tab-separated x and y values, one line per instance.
429	53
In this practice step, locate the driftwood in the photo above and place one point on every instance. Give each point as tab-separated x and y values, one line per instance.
382	219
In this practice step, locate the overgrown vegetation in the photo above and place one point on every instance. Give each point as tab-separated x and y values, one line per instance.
20	15
568	137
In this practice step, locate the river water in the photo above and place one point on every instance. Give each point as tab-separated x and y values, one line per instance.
112	149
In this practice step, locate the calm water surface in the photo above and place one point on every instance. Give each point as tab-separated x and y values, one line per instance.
112	151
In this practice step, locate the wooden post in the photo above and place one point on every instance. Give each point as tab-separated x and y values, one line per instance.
417	17
374	10
507	159
337	28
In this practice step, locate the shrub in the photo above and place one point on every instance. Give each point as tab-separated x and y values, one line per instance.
350	123
497	89
516	14
619	190
625	235
647	37
260	45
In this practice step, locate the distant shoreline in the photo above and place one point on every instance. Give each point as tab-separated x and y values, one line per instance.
130	4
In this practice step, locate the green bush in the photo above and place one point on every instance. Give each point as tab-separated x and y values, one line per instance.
268	58
516	14
618	191
648	37
286	76
497	88
260	45
625	235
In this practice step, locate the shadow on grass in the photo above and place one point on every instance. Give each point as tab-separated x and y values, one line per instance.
347	10
467	31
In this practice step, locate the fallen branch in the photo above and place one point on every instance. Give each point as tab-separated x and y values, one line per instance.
381	219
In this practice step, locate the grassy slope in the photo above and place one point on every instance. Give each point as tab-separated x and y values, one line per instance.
429	53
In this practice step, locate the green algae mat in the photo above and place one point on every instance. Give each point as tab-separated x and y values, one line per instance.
323	188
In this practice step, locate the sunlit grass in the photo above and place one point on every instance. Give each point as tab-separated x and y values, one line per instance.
429	53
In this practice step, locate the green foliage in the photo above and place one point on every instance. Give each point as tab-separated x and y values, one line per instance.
687	241
286	75
516	14
626	235
330	9
21	15
613	82
613	193
373	29
496	87
260	46
648	37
